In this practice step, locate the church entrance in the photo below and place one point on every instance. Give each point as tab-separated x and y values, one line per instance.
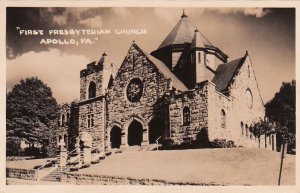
156	130
135	133
115	137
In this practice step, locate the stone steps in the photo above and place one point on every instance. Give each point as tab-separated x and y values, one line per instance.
73	166
54	175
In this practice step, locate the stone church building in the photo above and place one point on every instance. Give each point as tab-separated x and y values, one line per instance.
185	87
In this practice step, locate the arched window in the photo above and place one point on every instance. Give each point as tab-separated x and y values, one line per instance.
250	131
199	57
223	119
92	90
246	126
62	120
65	138
242	127
248	71
68	118
186	116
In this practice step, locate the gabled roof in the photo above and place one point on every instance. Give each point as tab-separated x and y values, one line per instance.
199	41
164	70
226	72
183	32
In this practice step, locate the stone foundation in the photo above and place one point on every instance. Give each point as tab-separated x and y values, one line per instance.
26	174
86	179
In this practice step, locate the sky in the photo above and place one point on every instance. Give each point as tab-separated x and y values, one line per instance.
268	34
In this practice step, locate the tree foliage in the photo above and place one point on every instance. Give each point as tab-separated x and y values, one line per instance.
282	108
281	114
31	112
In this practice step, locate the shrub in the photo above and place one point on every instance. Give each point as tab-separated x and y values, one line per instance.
219	143
222	143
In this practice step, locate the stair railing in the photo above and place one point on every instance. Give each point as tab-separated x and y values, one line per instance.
74	159
97	154
40	173
157	143
70	160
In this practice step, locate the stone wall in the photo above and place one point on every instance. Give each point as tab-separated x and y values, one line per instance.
85	179
245	79
63	122
26	174
216	103
94	107
196	101
121	111
93	73
91	110
238	114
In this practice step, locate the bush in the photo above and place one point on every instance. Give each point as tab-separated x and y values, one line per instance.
167	143
13	147
230	144
218	143
222	143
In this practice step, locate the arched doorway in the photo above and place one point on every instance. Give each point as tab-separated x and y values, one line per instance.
135	133
115	137
156	130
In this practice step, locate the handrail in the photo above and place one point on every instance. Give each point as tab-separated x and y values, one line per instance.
157	143
71	151
46	163
158	138
68	161
39	168
97	147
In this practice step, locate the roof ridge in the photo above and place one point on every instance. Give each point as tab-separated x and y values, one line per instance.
205	38
230	69
166	71
186	29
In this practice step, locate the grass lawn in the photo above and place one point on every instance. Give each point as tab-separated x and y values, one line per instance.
235	166
26	164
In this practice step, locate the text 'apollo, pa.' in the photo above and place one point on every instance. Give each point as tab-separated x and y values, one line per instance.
78	36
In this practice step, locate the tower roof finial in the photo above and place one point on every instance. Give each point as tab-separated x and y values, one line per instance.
183	14
196	30
104	54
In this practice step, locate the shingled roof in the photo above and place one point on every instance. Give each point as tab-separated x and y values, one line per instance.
183	32
164	70
226	72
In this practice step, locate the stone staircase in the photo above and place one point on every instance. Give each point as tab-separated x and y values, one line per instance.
55	175
73	163
150	147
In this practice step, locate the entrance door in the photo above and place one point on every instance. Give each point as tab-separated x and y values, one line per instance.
135	133
156	130
115	137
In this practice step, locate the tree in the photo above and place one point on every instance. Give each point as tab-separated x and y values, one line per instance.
31	114
263	128
281	108
280	113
